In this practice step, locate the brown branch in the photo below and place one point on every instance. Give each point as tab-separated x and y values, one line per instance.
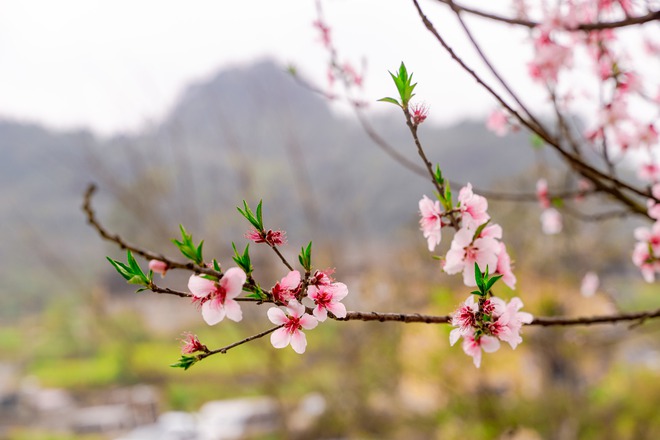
628	21
547	321
596	176
224	350
93	221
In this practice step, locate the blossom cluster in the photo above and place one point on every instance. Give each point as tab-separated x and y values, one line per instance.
217	299
486	322
476	240
646	254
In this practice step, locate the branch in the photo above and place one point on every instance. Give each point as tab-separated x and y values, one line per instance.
92	220
547	321
628	21
224	350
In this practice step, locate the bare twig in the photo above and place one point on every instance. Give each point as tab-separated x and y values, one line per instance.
628	21
224	350
92	220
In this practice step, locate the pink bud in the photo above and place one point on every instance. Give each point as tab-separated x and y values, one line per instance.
158	266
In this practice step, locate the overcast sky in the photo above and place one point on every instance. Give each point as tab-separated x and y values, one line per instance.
114	65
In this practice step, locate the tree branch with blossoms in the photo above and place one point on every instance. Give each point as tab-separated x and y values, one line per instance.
305	296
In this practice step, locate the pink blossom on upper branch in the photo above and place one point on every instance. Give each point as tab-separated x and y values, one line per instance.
326	298
431	221
287	288
542	193
292	322
473	207
549	56
272	238
589	284
465	251
217	297
498	122
322	278
551	221
653	206
504	267
159	267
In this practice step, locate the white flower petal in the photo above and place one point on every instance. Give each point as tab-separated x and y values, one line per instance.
280	338
298	342
277	316
233	310
213	312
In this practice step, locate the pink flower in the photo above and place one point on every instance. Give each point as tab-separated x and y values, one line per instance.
464	319
649	171
542	193
589	284
191	344
217	297
287	288
291	323
473	207
325	33
158	266
508	324
504	267
418	112
327	300
646	262
272	238
322	278
464	252
472	347
653	207
498	122
551	221
431	221
651	237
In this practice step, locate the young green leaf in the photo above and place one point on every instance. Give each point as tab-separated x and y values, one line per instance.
390	100
185	362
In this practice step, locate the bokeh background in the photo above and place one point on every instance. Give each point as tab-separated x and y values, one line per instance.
178	113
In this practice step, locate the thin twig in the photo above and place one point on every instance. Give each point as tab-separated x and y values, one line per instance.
171	264
542	321
629	21
224	350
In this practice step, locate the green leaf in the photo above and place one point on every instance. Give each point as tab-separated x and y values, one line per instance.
478	277
390	100
185	362
259	216
305	257
536	141
249	215
120	267
216	266
491	282
479	230
187	247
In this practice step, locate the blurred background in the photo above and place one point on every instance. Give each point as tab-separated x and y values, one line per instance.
180	114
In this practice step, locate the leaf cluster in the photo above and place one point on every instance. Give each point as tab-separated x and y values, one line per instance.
132	272
484	281
188	247
404	85
255	219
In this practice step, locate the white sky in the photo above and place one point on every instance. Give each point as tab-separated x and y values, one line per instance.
114	65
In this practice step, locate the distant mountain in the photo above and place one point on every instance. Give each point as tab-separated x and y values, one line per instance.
248	133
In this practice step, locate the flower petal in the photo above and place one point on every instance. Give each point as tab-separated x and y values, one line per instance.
233	281
337	309
277	316
308	322
280	337
233	310
298	341
200	287
489	344
295	308
213	312
320	313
